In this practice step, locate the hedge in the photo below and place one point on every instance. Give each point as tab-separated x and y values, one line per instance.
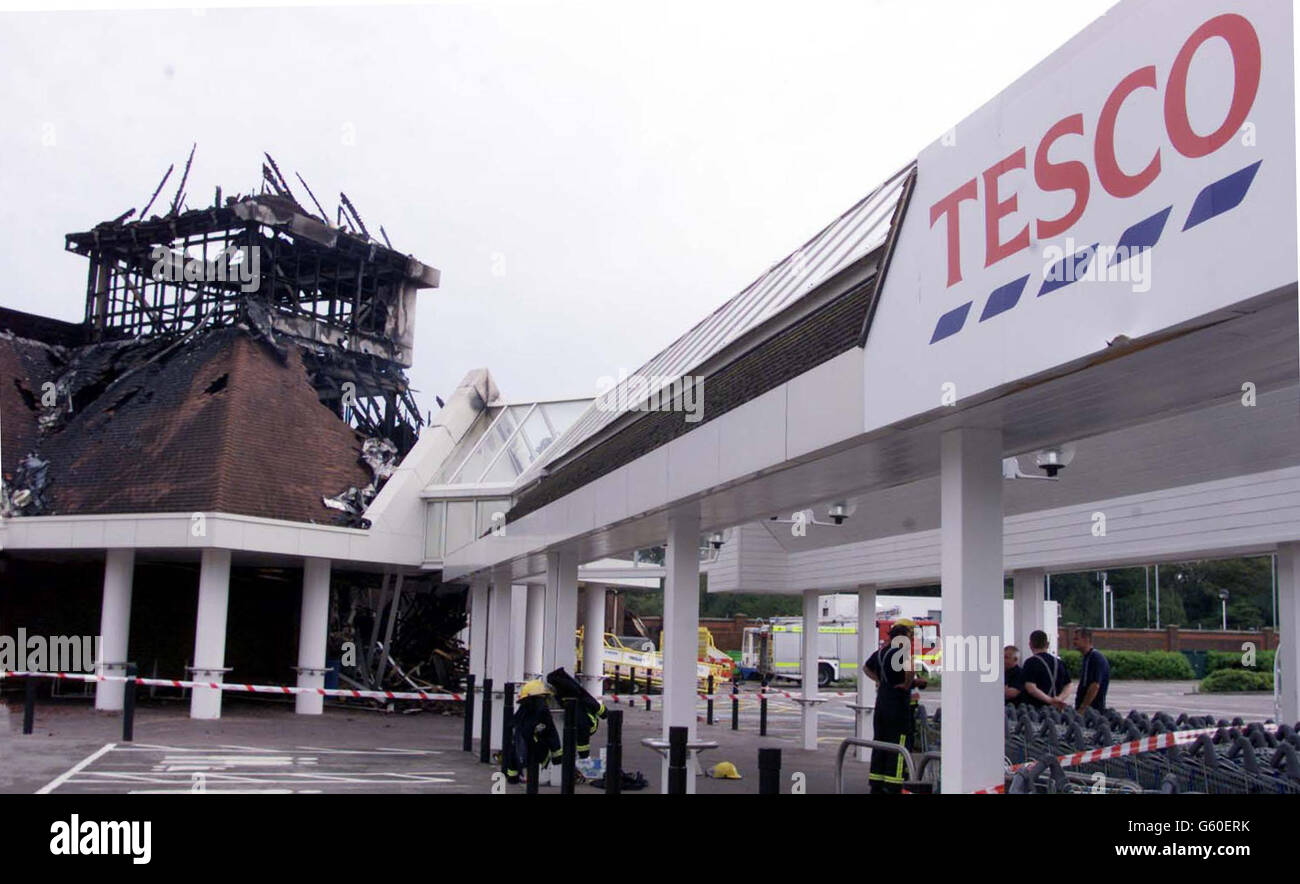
1237	680
1218	660
1146	665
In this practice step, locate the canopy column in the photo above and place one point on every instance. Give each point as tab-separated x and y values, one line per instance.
681	626
971	575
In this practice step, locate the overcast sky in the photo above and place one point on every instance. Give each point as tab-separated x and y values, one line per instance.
590	178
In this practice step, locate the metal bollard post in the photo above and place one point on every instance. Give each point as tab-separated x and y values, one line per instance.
128	704
614	753
530	787
508	726
735	706
617	677
709	714
29	704
647	690
677	760
762	715
468	743
485	735
769	771
568	761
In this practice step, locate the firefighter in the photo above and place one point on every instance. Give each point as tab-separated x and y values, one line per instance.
535	735
894	713
590	711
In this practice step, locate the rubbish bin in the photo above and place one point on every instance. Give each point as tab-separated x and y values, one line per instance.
1199	660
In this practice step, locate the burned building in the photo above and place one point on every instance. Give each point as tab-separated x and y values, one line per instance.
232	402
267	263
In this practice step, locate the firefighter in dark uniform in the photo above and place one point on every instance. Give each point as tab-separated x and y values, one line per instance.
893	715
535	735
590	709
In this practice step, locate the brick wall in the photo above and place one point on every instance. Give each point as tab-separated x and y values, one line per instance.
1171	638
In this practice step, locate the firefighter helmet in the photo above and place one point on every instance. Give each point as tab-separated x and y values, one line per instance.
533	688
725	770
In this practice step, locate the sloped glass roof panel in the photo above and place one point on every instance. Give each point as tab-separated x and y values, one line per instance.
852	236
511	438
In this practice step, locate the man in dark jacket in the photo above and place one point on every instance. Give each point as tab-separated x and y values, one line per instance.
535	736
893	716
1094	677
590	710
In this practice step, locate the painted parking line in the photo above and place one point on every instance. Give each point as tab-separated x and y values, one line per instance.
151	768
75	769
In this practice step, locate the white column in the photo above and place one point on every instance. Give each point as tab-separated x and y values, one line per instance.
808	665
561	652
115	625
868	641
498	654
1288	624
1027	607
535	615
210	631
971	574
518	638
681	626
593	639
478	629
313	630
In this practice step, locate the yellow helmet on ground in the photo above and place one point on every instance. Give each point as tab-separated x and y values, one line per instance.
725	770
533	688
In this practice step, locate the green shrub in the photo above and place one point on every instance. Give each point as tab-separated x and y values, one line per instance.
1237	680
1218	660
1146	665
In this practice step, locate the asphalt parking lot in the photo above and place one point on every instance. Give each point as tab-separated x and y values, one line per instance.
262	747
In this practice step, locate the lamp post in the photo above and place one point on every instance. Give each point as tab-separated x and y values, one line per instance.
1223	601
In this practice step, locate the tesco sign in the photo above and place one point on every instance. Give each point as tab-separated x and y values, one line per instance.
1156	147
1101	164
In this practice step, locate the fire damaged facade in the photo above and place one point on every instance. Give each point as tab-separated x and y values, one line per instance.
222	468
231	404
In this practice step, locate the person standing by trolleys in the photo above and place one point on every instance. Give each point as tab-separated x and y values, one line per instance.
894	714
1047	682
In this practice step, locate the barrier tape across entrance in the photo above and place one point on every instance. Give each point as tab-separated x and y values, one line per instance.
1119	750
350	692
245	688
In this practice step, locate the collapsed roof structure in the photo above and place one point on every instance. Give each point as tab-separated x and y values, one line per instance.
210	336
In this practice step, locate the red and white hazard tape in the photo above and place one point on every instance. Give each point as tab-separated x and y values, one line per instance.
632	698
1119	750
244	688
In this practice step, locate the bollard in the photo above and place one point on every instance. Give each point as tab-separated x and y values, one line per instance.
128	704
677	760
614	752
769	771
647	690
485	735
530	787
735	706
709	713
568	761
29	704
468	743
617	677
762	714
507	726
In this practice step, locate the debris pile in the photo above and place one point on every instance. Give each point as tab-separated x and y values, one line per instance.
402	633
